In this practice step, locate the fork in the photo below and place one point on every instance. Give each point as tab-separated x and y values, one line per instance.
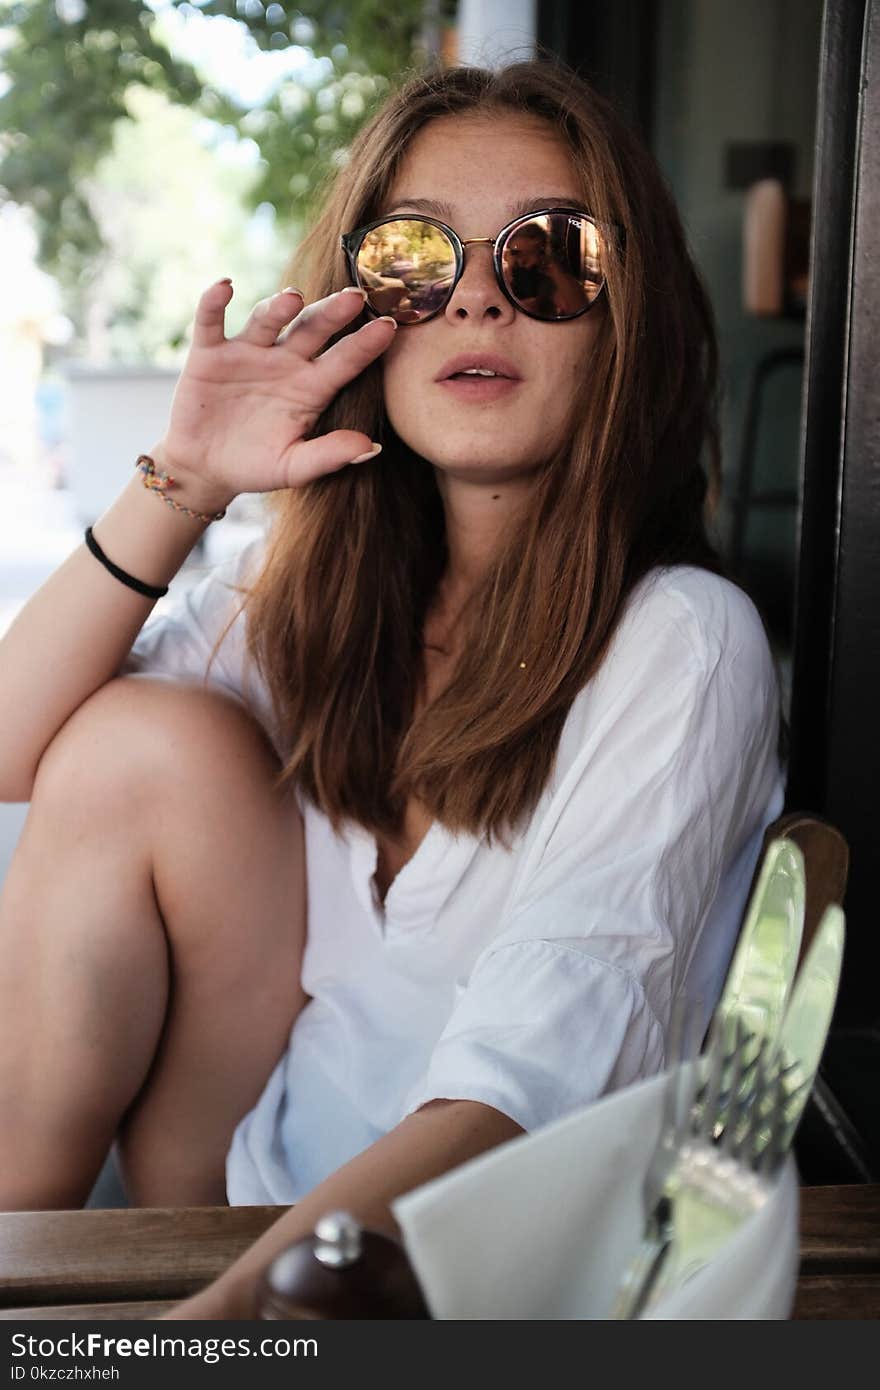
704	1176
726	1157
717	1186
678	1100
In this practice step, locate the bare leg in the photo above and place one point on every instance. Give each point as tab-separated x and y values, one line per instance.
151	934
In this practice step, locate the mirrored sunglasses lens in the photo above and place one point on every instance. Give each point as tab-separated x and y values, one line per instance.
553	264
407	268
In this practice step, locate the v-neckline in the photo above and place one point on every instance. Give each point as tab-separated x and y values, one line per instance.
382	898
422	885
422	824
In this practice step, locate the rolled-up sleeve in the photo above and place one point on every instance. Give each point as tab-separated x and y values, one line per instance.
541	1026
668	774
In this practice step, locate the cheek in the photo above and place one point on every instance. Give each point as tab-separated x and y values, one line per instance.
394	387
406	381
573	363
564	359
395	362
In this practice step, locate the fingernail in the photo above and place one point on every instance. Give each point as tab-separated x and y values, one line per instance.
386	318
353	289
370	454
291	289
227	280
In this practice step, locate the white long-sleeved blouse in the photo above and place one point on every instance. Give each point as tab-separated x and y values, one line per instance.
533	978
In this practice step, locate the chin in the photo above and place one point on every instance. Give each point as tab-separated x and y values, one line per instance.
493	466
470	458
496	451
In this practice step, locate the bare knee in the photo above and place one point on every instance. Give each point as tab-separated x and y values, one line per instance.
188	778
139	738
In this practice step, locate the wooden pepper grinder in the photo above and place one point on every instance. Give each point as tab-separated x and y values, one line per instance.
342	1271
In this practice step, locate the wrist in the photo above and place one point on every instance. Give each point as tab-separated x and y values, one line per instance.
215	1302
186	487
237	1293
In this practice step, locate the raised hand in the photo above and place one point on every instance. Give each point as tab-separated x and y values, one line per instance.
243	405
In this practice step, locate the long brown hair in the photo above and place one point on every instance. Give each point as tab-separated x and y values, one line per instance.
335	617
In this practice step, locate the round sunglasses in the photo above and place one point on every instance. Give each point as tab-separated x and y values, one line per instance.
549	264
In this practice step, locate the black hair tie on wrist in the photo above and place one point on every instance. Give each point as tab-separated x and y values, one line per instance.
148	590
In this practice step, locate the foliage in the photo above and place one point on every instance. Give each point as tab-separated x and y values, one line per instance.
169	228
70	67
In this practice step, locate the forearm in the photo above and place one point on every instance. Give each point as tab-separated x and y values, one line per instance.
75	632
435	1139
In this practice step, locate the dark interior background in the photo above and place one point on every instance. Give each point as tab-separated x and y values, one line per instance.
725	95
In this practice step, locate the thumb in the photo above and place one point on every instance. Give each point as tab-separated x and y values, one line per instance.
312	458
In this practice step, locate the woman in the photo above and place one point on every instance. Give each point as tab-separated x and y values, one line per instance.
527	732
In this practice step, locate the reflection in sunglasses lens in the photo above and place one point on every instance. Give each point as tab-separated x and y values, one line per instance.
551	264
407	268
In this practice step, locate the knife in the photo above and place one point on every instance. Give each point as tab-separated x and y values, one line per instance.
759	982
761	973
806	1025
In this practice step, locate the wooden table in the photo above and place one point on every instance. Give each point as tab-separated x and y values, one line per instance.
99	1265
840	1252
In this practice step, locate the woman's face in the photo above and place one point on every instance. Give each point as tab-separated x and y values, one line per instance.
477	169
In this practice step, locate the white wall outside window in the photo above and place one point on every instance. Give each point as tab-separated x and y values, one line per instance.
492	33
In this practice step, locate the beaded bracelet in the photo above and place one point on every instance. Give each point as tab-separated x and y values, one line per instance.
158	482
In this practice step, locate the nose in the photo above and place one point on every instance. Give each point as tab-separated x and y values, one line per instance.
478	294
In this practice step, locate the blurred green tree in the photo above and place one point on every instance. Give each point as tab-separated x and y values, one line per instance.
69	66
169	227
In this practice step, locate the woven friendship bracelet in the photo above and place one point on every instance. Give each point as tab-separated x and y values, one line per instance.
160	482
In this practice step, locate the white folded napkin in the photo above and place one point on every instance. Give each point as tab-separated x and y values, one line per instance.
545	1225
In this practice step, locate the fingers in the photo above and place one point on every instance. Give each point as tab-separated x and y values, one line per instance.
319	321
266	320
269	316
307	328
313	324
210	315
310	327
312	458
343	361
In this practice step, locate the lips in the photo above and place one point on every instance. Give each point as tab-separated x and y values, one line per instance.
484	361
